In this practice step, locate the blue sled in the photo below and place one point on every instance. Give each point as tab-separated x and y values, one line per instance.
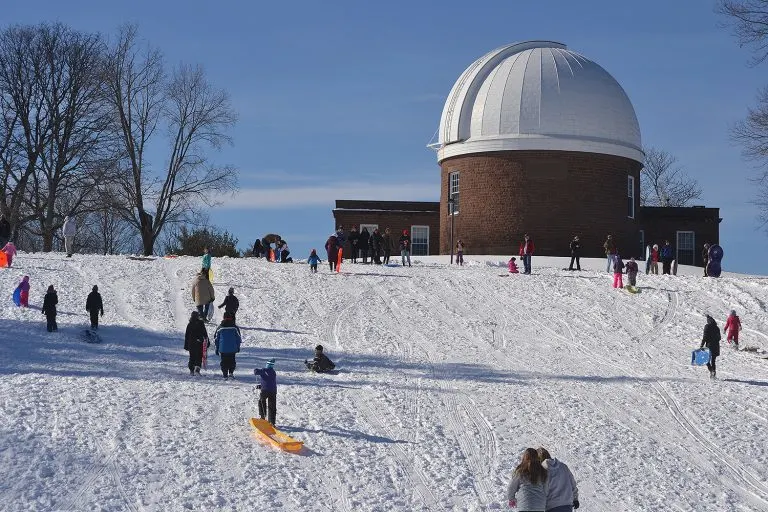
17	296
700	356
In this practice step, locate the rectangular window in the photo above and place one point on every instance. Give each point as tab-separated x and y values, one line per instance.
453	193
686	248
420	240
631	197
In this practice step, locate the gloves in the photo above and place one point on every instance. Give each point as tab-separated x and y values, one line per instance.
575	504
512	504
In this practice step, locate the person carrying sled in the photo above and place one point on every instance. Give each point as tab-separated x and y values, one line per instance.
332	250
49	309
526	253
206	263
268	391
632	270
711	340
529	485
575	253
203	294
313	260
10	251
227	340
512	266
733	326
562	494
195	342
321	363
618	269
405	247
94	306
230	304
23	291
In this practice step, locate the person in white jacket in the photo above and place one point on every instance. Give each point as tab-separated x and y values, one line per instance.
562	493
68	230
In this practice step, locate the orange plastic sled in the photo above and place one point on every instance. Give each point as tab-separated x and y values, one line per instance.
3	259
275	437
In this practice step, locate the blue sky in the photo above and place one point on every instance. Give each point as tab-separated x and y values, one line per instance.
338	99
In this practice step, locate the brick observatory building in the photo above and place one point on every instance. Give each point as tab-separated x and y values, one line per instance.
535	138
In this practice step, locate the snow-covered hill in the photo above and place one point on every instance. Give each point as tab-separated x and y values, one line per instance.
447	374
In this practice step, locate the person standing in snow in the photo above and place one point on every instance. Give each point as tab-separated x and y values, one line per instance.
49	309
230	304
733	326
386	243
68	230
203	294
285	253
332	249
353	238
705	258
562	494
711	340
632	271
655	259
529	485
460	253
23	289
363	243
610	251
405	247
618	269
321	363
268	393
313	260
667	256
195	342
5	230
376	241
341	239
10	251
257	248
94	306
227	339
647	259
279	251
526	253
575	253
206	263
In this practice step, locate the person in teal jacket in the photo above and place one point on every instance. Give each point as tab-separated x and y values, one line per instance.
207	262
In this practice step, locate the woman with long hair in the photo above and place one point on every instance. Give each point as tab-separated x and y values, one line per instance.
529	486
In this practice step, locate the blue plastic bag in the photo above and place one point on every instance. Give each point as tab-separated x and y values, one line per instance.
700	356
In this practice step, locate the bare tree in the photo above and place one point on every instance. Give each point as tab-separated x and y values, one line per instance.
749	22
196	117
664	183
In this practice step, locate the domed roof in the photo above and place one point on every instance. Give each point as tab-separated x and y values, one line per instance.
538	95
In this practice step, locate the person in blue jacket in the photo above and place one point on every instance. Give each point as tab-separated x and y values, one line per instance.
227	340
268	395
667	256
313	260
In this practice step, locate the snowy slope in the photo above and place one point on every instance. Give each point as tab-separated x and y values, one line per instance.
447	375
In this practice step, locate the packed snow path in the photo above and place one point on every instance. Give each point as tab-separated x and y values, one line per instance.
447	374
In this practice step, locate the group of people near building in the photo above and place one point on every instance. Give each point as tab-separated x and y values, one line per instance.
280	253
375	247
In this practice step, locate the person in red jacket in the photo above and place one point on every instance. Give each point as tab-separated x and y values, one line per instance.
526	251
733	326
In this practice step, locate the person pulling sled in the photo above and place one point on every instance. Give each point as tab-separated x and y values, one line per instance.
195	342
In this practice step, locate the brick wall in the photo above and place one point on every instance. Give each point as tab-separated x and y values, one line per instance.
395	220
550	195
661	224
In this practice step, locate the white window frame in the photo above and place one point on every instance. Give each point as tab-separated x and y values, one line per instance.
413	228
454	184
631	195
693	247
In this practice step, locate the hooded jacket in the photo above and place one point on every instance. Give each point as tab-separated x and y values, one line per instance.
69	228
268	379
732	325
202	291
227	338
49	303
562	489
196	332
94	303
711	338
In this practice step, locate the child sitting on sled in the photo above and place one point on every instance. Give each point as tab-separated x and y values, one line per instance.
632	270
512	266
321	363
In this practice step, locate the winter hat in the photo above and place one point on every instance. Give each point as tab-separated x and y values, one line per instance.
271	363
655	247
231	291
50	288
95	288
194	315
405	231
319	348
733	312
26	278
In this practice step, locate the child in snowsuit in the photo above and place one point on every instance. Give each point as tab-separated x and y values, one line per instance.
49	309
94	306
733	326
618	267
513	266
206	263
227	339
10	252
460	253
195	342
711	340
314	259
321	363
268	394
230	304
632	271
23	289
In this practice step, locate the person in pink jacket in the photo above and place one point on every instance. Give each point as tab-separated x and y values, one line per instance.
513	266
24	292
10	252
733	326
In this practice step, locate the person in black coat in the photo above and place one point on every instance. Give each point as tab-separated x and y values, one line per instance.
321	363
195	342
257	249
711	340
362	242
94	306
377	240
230	304
575	253
49	308
5	231
353	238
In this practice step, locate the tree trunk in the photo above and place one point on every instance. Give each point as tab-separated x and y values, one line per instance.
47	239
